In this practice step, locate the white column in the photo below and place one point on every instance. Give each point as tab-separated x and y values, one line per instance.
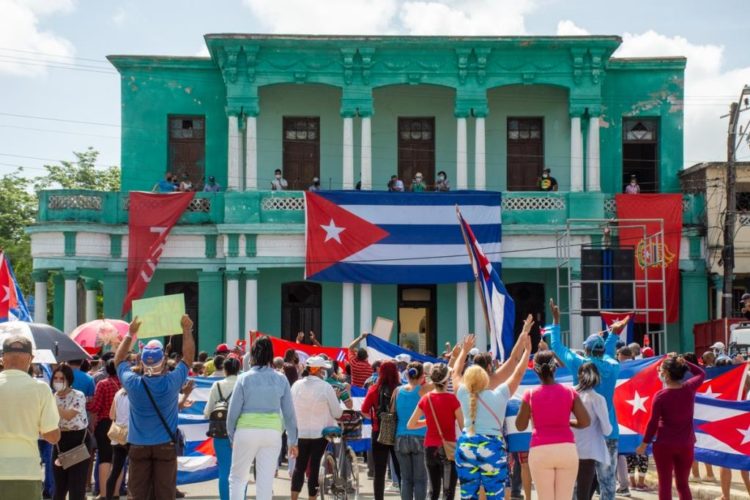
233	308
592	156
576	154
480	322
576	320
365	308
251	303
348	174
233	153
347	313
719	301
366	162
251	153
90	305
461	154
480	176
70	317
40	302
462	311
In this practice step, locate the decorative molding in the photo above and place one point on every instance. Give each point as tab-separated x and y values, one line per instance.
274	203
534	203
75	202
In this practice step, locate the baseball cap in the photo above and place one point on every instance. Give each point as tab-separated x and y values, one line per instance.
594	342
153	353
474	351
317	362
17	343
222	348
745	296
547	170
647	352
402	358
718	345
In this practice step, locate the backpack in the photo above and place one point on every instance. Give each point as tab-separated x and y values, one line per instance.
217	420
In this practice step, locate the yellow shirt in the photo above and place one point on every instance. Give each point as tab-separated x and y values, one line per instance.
27	410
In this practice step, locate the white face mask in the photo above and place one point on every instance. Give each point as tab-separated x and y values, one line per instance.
441	177
58	386
278	176
419	179
545	176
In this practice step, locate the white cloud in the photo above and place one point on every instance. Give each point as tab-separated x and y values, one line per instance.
466	17
569	28
119	16
27	48
202	52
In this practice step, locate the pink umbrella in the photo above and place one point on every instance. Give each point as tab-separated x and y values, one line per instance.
94	335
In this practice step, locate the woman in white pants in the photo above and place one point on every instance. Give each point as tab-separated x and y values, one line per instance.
261	398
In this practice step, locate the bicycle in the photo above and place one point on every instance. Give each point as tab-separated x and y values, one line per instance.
339	472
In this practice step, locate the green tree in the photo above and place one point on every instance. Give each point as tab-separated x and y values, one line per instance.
18	205
80	174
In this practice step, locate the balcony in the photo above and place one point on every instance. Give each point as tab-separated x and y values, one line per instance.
287	207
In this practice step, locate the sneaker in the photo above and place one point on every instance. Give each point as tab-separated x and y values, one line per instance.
392	488
623	492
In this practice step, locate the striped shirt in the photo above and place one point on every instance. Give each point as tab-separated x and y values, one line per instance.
361	370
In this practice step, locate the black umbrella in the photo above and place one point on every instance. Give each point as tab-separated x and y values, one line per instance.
45	337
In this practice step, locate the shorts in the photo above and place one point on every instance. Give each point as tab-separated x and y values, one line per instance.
481	461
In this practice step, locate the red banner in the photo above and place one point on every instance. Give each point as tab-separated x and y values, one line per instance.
305	350
651	250
152	217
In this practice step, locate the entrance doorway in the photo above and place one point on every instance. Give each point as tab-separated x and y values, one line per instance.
190	290
301	309
640	153
529	299
187	148
301	151
417	317
525	153
416	150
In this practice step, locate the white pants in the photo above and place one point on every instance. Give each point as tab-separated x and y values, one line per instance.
261	445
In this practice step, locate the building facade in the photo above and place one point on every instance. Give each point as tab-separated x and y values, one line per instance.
353	111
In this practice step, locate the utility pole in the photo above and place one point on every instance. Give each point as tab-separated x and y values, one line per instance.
731	207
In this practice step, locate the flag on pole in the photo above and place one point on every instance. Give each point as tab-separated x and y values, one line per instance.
608	318
499	308
12	304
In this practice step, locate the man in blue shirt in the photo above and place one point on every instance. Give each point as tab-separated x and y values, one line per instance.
82	381
152	431
601	352
166	185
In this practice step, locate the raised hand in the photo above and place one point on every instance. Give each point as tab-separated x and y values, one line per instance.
555	312
135	325
300	337
528	323
617	326
186	323
469	342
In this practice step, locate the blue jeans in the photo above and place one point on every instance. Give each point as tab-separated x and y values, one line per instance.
410	454
45	451
224	458
607	475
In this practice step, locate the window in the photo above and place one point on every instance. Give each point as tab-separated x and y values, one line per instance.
640	153
301	151
301	310
416	149
187	148
525	159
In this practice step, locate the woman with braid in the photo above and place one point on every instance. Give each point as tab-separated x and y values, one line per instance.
480	450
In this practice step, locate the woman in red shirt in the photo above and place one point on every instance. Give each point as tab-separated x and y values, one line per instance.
445	406
672	423
377	401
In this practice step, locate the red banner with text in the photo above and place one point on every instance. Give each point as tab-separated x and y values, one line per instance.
151	218
652	249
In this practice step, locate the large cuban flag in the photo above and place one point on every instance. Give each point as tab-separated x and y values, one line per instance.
397	238
12	304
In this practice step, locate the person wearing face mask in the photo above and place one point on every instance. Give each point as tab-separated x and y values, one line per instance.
418	185
71	404
278	183
315	186
153	395
633	187
442	183
546	182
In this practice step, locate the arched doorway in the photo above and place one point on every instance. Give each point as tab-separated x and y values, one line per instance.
301	310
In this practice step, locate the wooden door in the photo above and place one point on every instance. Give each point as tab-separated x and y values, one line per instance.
525	153
187	148
416	150
190	290
529	298
301	151
301	310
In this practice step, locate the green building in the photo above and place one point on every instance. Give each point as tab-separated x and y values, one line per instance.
490	112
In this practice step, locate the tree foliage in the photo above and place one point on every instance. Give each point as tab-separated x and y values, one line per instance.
80	174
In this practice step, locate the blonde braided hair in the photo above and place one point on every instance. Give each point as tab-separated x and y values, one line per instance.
475	380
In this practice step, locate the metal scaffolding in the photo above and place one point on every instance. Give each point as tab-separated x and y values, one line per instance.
650	252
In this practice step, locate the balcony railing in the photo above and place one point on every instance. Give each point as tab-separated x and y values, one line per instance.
287	207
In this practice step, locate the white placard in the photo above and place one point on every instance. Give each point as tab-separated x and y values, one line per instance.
383	328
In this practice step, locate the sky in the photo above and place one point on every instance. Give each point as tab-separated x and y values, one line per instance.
58	93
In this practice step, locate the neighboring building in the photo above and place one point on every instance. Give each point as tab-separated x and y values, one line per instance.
708	180
492	112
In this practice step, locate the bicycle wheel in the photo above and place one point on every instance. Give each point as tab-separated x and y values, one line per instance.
352	473
327	477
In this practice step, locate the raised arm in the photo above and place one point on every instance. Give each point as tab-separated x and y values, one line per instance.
458	369
521	365
124	348
699	375
188	341
568	357
518	355
355	343
610	343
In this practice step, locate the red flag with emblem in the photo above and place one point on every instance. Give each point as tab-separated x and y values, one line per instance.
151	218
728	386
651	250
633	399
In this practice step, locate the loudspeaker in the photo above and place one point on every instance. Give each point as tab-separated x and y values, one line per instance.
591	269
623	268
605	264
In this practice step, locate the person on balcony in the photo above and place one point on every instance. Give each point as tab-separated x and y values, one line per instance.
546	182
315	186
211	185
633	187
278	183
418	185
442	183
166	185
185	184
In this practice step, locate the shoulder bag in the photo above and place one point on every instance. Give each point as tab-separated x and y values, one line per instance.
174	436
387	421
449	447
75	455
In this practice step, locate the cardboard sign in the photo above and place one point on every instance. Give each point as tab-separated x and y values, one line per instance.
383	328
160	316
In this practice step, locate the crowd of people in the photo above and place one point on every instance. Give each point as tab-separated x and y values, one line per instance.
436	428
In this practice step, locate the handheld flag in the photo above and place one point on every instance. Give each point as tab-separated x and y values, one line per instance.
12	304
499	308
608	318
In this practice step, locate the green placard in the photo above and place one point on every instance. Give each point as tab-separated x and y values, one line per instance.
160	316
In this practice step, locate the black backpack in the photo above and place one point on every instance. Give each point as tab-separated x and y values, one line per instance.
217	420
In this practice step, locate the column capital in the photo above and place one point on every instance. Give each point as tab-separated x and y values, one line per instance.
251	274
594	110
576	111
232	274
347	112
480	112
70	275
91	284
461	113
208	276
40	275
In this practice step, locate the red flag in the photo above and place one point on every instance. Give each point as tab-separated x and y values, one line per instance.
728	386
152	217
634	398
650	251
305	350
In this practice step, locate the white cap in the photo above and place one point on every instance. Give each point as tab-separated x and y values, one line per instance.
718	345
403	358
474	351
317	362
